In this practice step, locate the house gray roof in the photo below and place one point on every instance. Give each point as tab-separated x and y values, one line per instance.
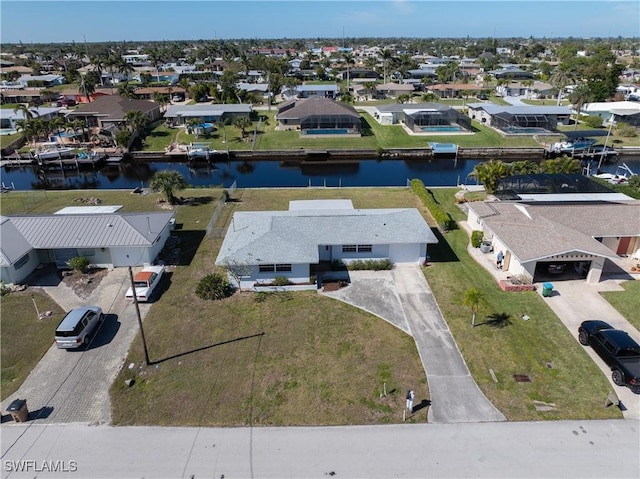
294	236
13	245
9	114
86	231
533	232
493	109
316	106
398	107
175	111
332	87
113	107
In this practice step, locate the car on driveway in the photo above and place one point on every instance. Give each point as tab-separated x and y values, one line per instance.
145	283
76	327
616	348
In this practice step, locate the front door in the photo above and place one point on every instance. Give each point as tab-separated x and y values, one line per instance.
623	245
507	259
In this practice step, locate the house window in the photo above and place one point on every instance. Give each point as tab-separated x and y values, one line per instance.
22	261
349	248
364	248
283	267
267	268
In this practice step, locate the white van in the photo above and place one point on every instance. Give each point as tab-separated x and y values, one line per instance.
76	327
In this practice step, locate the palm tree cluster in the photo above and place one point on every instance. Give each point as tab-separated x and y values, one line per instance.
34	128
491	172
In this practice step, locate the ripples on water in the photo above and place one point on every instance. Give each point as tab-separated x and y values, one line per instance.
261	173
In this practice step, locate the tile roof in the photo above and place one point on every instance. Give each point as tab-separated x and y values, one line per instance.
317	106
114	107
294	236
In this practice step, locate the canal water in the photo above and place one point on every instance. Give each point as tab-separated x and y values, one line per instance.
262	174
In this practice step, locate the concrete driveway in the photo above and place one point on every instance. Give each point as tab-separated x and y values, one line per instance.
73	386
403	298
577	301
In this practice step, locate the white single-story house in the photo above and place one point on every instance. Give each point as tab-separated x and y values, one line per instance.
179	114
293	243
580	235
618	111
421	117
9	118
311	91
537	89
107	239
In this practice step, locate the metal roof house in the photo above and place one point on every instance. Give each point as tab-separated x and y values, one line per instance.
106	239
421	117
293	243
179	114
579	229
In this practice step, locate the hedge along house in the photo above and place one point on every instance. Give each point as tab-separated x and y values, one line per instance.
293	243
535	230
107	240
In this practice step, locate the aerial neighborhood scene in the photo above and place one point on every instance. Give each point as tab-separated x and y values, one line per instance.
310	239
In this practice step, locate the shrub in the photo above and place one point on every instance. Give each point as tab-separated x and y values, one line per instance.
593	121
369	264
338	265
214	286
445	222
280	281
476	239
4	289
79	263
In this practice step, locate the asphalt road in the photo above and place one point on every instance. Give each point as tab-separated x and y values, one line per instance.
549	449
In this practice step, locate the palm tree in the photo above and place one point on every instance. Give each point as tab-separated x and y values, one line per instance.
578	98
386	56
560	79
564	164
473	298
27	112
243	123
135	120
168	181
87	87
348	59
98	65
156	58
125	90
29	129
489	172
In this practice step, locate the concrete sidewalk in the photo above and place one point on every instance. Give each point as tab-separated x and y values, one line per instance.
403	298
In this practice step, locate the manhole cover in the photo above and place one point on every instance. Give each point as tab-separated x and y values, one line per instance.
522	378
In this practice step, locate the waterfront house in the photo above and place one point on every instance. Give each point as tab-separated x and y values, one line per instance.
313	116
294	243
208	113
310	91
109	111
506	118
420	117
9	118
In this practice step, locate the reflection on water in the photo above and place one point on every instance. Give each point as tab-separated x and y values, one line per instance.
260	173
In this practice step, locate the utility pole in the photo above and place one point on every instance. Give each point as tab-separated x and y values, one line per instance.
135	301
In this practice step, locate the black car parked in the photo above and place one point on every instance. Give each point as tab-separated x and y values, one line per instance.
616	348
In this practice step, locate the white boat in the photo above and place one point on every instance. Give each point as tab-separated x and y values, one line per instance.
52	151
199	150
617	178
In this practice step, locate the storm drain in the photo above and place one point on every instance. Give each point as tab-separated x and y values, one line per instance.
522	378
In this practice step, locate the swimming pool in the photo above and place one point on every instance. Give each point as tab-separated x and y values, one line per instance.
326	131
525	129
440	128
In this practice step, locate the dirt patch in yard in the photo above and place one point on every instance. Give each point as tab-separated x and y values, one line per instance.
83	284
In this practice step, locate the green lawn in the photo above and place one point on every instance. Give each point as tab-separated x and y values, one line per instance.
6	140
266	359
9	106
25	338
304	359
627	302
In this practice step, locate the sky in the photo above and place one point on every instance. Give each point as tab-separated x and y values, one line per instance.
51	21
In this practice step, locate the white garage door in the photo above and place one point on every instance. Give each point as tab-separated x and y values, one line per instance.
405	253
